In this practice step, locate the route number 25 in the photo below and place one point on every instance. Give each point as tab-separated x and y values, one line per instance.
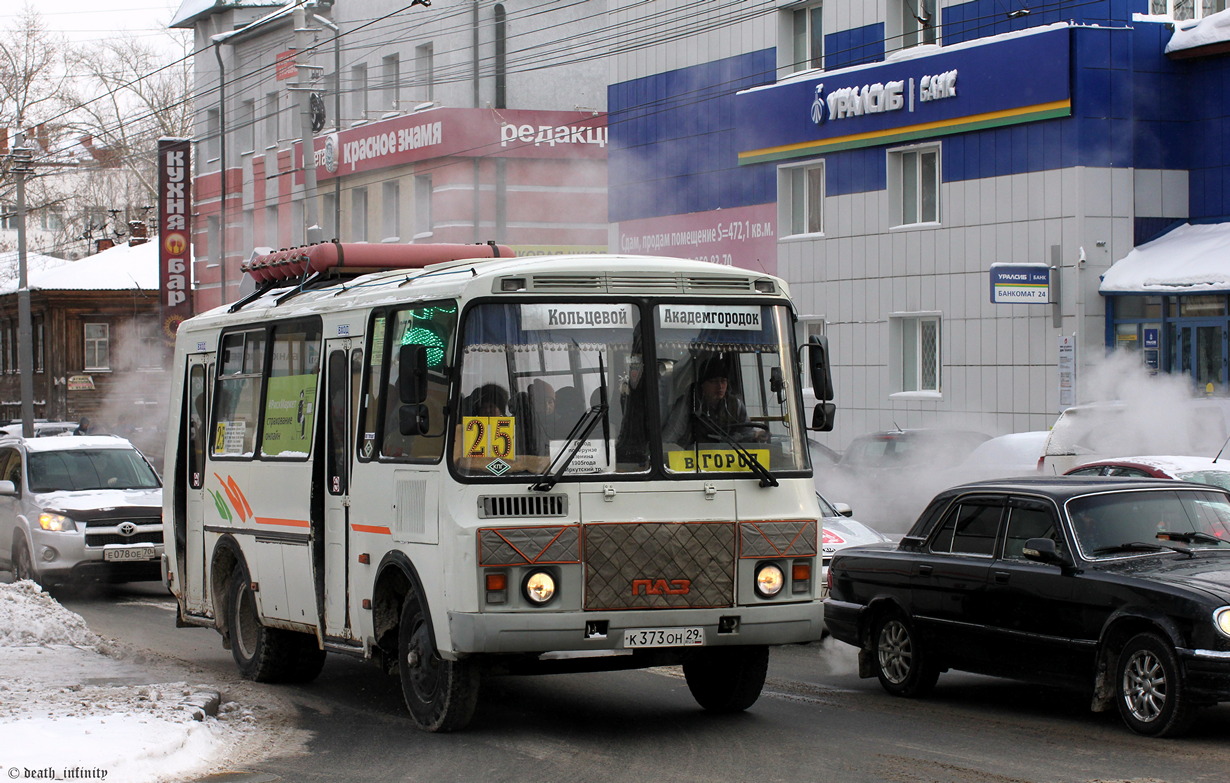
489	436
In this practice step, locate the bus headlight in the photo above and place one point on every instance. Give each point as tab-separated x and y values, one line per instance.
539	587
769	580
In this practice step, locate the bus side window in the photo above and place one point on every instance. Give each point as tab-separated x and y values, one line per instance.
431	326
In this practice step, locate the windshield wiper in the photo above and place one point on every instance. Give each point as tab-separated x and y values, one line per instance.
1139	546
1188	537
572	444
767	479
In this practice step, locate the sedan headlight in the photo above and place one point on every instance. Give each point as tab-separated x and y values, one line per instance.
1221	618
49	520
769	580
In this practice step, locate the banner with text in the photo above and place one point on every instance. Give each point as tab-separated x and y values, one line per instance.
174	230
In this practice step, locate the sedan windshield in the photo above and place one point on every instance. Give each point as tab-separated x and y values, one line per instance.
1123	522
53	471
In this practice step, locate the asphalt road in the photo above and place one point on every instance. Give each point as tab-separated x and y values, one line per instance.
816	721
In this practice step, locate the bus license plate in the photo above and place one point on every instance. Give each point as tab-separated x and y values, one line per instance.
664	637
123	553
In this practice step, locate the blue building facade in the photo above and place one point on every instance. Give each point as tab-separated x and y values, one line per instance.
891	185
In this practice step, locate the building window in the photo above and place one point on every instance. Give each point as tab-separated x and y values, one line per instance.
390	82
246	132
422	206
328	217
390	211
425	72
916	178
213	134
271	226
149	335
501	57
271	119
801	194
37	334
1186	9
916	341
358	215
97	346
807	34
8	215
358	93
918	22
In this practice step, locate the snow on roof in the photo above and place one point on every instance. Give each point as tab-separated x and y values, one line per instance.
123	267
1188	260
1212	29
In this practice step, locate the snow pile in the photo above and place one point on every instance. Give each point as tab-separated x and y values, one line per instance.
29	616
1190	259
69	711
1212	29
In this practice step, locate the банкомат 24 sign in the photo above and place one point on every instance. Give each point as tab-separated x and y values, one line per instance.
954	90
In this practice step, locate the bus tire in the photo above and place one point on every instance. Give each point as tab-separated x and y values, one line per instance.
727	679
441	695
266	654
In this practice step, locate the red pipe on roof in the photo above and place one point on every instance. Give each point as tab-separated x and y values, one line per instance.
361	257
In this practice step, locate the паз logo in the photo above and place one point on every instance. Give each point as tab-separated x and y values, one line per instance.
661	586
819	110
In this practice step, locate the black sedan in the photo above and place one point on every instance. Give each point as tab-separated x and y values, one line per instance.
1120	587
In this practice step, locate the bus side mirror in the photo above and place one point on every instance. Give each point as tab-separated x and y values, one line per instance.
412	374
818	365
413	419
822	416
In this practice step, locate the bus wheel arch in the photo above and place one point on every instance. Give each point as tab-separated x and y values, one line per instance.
226	559
441	695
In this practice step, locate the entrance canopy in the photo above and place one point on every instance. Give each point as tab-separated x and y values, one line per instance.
1189	260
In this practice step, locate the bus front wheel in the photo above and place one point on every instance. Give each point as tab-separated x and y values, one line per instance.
441	695
727	679
267	654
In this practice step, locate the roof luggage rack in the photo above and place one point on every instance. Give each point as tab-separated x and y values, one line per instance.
306	264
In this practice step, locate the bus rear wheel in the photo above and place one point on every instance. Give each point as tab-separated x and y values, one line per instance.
727	679
267	654
441	695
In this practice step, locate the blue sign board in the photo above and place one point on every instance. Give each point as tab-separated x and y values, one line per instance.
1020	284
1016	80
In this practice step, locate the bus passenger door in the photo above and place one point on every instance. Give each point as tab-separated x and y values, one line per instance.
191	481
338	436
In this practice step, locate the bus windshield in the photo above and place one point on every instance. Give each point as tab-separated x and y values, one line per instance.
540	381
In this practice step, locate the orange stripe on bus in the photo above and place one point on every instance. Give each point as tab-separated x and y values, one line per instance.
372	529
283	522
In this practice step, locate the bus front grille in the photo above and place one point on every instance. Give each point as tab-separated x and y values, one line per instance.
520	506
660	565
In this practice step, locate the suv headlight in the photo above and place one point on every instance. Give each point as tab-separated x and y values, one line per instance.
49	520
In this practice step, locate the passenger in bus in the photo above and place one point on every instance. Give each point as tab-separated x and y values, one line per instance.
708	408
490	399
632	443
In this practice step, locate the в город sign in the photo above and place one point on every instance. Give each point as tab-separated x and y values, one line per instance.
1020	284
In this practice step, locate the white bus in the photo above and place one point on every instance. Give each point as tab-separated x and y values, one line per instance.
479	466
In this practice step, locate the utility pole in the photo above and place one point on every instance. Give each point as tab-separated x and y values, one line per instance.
303	85
22	157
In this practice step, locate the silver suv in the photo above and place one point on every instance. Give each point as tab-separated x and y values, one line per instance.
79	508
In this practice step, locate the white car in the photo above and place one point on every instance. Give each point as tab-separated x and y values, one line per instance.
78	509
841	531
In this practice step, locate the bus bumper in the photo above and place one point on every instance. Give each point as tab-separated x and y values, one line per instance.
538	632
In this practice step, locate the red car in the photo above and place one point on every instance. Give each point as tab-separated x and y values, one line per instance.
1199	470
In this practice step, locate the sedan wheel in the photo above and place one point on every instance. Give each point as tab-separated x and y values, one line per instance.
901	665
1152	698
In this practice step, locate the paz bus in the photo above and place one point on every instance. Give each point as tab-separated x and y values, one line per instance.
460	464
